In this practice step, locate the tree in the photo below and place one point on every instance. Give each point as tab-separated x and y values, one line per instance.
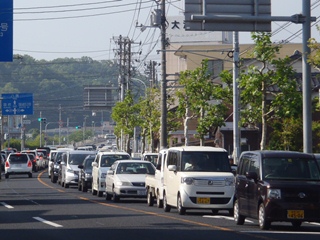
268	88
203	99
125	115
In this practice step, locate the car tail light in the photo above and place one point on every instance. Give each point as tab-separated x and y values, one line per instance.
7	164
29	163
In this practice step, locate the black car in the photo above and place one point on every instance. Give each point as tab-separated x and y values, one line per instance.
85	173
277	186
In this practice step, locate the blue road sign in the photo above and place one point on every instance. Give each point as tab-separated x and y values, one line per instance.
6	30
17	104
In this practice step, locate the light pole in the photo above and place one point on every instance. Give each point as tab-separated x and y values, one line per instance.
139	80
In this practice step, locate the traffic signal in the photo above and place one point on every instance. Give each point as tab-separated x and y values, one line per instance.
78	127
43	120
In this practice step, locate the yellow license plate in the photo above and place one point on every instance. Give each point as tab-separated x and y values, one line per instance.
201	200
295	214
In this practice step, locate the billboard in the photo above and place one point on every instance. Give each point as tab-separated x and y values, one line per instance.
6	30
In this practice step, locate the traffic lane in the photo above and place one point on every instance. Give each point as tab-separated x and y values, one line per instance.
222	221
34	207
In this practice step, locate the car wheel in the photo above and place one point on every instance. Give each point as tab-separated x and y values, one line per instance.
84	187
6	175
166	207
115	197
54	179
62	184
66	185
180	208
108	196
30	175
150	199
159	201
79	186
100	193
94	192
264	224
239	219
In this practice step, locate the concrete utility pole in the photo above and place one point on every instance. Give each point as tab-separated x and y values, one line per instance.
236	129
163	133
306	79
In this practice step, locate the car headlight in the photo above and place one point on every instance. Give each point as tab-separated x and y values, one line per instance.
274	194
87	175
103	175
119	183
187	180
229	181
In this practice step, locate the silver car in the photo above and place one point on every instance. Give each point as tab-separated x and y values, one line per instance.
18	163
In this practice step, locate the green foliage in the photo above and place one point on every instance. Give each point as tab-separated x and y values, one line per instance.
201	98
269	93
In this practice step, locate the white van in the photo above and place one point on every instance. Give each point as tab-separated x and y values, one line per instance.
197	177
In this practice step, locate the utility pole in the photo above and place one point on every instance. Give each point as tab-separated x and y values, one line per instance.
59	124
163	132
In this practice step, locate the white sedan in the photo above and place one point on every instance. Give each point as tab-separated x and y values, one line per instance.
126	179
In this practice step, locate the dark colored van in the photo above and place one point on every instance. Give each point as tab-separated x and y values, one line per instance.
277	186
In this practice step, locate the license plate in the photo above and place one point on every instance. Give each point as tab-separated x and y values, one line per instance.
17	165
201	200
295	214
141	192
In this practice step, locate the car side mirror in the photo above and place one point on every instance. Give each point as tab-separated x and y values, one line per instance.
110	172
252	175
172	168
94	164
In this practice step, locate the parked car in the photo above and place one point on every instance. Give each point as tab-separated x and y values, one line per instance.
18	163
151	157
277	186
85	173
126	179
196	177
34	162
100	166
69	166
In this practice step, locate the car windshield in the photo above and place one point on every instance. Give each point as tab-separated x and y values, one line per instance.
135	168
108	160
205	162
18	159
88	163
290	168
77	159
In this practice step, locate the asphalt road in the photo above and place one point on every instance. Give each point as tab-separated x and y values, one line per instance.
34	208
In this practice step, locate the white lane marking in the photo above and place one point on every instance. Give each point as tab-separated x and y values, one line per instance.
225	217
47	222
6	205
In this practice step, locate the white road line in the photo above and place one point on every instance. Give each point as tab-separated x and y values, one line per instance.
6	205
282	232
47	222
225	217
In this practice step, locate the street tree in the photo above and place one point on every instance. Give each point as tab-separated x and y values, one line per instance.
202	99
269	90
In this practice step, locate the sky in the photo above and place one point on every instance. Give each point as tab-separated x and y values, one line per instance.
50	29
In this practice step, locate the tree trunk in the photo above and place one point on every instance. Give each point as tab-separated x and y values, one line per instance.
264	118
186	129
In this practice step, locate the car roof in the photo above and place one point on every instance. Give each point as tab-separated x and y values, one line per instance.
132	161
278	153
81	152
114	153
198	149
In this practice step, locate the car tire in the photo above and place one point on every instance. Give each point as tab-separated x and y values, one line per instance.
100	193
94	192
6	175
239	219
108	196
79	186
30	175
166	207
150	198
159	201
115	197
264	224
84	187
180	208
62	184
66	185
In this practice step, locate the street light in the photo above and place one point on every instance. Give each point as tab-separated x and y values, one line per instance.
145	86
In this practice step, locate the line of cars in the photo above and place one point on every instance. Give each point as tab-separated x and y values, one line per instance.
24	162
193	177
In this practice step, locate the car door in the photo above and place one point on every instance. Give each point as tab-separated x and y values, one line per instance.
110	177
95	172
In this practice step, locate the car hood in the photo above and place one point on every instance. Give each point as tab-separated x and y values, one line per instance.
207	175
132	177
74	167
104	169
